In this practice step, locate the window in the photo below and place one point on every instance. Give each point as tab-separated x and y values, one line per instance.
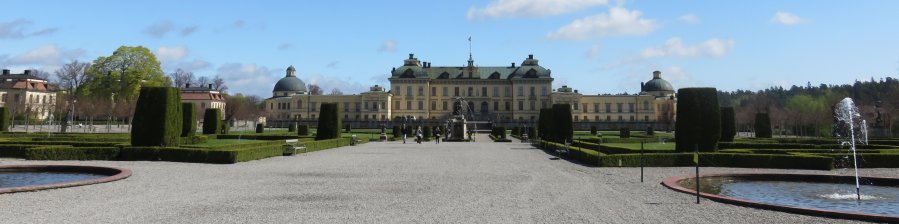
421	90
203	106
358	107
645	118
456	91
533	105
596	118
632	118
619	118
596	108
396	105
645	105
445	91
314	106
299	104
470	91
532	92
608	108
496	91
421	105
508	106
508	91
575	118
608	118
398	93
619	107
346	107
585	118
408	90
433	105
433	91
366	105
584	108
495	106
575	106
408	105
630	107
543	91
444	105
521	91
271	106
520	105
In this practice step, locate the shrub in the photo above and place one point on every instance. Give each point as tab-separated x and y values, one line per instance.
562	124
225	128
292	127
4	119
328	122
348	129
532	132
593	130
212	120
189	123
397	130
762	126
426	132
157	117
499	132
624	133
515	131
650	130
698	120
303	130
728	124
260	128
544	124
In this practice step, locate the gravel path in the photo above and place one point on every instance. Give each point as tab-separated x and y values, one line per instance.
482	182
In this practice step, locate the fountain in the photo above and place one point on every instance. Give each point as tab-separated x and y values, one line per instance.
40	177
846	114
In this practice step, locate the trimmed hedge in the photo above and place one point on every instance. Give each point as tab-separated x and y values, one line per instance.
544	124
225	128
593	130
68	152
4	119
397	130
212	120
260	128
728	124
562	124
157	117
328	122
532	132
582	155
499	132
698	120
865	160
624	133
426	133
348	129
763	126
189	123
292	127
303	130
720	160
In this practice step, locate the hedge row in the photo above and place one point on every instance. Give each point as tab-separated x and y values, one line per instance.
68	152
607	149
582	155
260	137
811	162
865	160
750	145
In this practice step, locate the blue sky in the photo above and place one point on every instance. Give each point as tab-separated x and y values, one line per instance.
595	46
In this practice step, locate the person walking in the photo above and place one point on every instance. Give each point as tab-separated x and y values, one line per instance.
404	133
437	133
418	136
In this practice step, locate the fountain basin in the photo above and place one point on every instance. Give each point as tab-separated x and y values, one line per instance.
21	178
811	194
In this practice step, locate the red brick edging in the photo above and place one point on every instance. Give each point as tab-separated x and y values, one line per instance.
113	175
671	183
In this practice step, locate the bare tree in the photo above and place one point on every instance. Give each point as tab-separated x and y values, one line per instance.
336	92
315	89
203	81
218	84
182	78
72	76
40	74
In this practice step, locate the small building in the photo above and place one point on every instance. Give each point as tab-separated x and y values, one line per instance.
26	93
203	98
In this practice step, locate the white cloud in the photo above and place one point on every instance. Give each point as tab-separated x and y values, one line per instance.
16	29
593	51
786	18
388	46
530	8
159	29
47	58
248	79
618	22
196	64
678	77
690	18
171	54
675	47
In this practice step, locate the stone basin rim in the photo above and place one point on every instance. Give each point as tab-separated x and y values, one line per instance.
672	183
112	174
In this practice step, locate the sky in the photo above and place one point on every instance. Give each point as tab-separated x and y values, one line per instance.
594	46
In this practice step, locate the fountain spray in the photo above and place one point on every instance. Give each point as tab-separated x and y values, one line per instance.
848	114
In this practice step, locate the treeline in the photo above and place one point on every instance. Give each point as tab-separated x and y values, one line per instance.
808	110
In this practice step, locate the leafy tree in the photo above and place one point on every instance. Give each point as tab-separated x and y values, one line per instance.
124	73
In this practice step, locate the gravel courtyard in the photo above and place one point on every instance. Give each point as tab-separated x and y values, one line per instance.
481	182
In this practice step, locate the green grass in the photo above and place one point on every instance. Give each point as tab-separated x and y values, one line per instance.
212	143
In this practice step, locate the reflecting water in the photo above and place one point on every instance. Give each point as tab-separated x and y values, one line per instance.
28	178
828	196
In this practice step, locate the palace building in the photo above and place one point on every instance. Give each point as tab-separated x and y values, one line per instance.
505	95
26	93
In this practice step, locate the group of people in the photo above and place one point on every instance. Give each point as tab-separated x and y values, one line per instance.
419	136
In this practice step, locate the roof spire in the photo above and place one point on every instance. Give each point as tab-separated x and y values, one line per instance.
470	60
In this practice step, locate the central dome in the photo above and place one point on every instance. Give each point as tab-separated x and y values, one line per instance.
657	84
290	84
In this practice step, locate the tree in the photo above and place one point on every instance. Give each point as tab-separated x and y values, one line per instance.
40	74
182	78
336	92
728	124
562	125
218	84
73	76
698	120
328	122
203	81
762	125
124	73
242	107
314	89
158	120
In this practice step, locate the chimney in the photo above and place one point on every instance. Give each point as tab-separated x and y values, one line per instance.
513	64
656	75
531	56
410	55
210	86
27	72
187	85
5	71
